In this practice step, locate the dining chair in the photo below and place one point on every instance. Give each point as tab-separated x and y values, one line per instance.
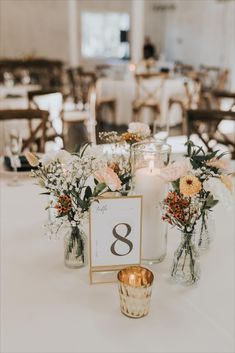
80	82
80	126
105	103
213	78
213	127
36	134
219	99
52	101
149	87
189	100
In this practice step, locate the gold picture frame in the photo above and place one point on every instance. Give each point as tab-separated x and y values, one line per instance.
109	269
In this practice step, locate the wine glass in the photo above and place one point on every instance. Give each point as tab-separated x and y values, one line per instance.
160	131
13	149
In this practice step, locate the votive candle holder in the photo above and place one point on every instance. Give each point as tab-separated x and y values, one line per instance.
135	289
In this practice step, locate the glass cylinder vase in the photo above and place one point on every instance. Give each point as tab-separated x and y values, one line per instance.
117	155
185	268
206	230
75	248
147	159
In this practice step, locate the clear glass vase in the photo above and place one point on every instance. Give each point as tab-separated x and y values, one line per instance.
185	268
119	154
75	248
147	159
206	231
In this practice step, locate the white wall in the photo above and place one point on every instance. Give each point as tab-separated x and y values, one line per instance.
36	27
40	27
196	32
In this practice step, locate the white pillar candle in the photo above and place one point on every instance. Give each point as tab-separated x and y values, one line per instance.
149	184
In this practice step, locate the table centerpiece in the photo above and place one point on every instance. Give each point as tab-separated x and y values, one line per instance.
72	182
191	198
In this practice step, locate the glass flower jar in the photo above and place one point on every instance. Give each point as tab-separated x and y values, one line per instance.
185	268
206	230
75	247
117	156
147	159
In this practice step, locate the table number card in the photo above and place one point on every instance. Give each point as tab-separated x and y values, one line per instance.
115	234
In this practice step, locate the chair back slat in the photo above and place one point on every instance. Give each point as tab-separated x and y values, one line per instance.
208	126
37	134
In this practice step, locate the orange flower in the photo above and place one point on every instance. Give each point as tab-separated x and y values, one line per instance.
130	137
190	185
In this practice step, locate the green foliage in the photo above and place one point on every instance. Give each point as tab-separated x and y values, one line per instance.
88	193
210	202
176	185
199	158
80	149
98	189
83	204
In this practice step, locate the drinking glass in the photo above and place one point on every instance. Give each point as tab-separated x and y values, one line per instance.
160	131
13	149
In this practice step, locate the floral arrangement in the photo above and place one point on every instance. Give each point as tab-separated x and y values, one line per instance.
136	132
119	158
193	192
195	181
72	181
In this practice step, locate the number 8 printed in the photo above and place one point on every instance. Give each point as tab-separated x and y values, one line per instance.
121	238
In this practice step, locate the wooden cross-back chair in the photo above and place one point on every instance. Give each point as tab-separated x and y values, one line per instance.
80	126
148	97
80	82
220	95
206	124
190	100
214	99
213	77
37	133
52	101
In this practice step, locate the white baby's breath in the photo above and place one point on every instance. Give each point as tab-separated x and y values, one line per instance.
140	129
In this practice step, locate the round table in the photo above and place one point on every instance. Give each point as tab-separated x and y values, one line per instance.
46	307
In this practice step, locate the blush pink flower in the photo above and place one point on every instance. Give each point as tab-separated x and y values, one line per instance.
175	170
109	177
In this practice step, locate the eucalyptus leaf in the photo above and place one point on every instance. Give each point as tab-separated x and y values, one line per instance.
88	193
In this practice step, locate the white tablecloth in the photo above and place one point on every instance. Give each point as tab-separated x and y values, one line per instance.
123	91
46	307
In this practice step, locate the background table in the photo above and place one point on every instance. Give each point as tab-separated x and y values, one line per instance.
46	307
123	91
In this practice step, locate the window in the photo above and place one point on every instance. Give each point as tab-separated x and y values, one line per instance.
103	36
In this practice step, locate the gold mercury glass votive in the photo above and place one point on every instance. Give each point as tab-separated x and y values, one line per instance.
135	288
